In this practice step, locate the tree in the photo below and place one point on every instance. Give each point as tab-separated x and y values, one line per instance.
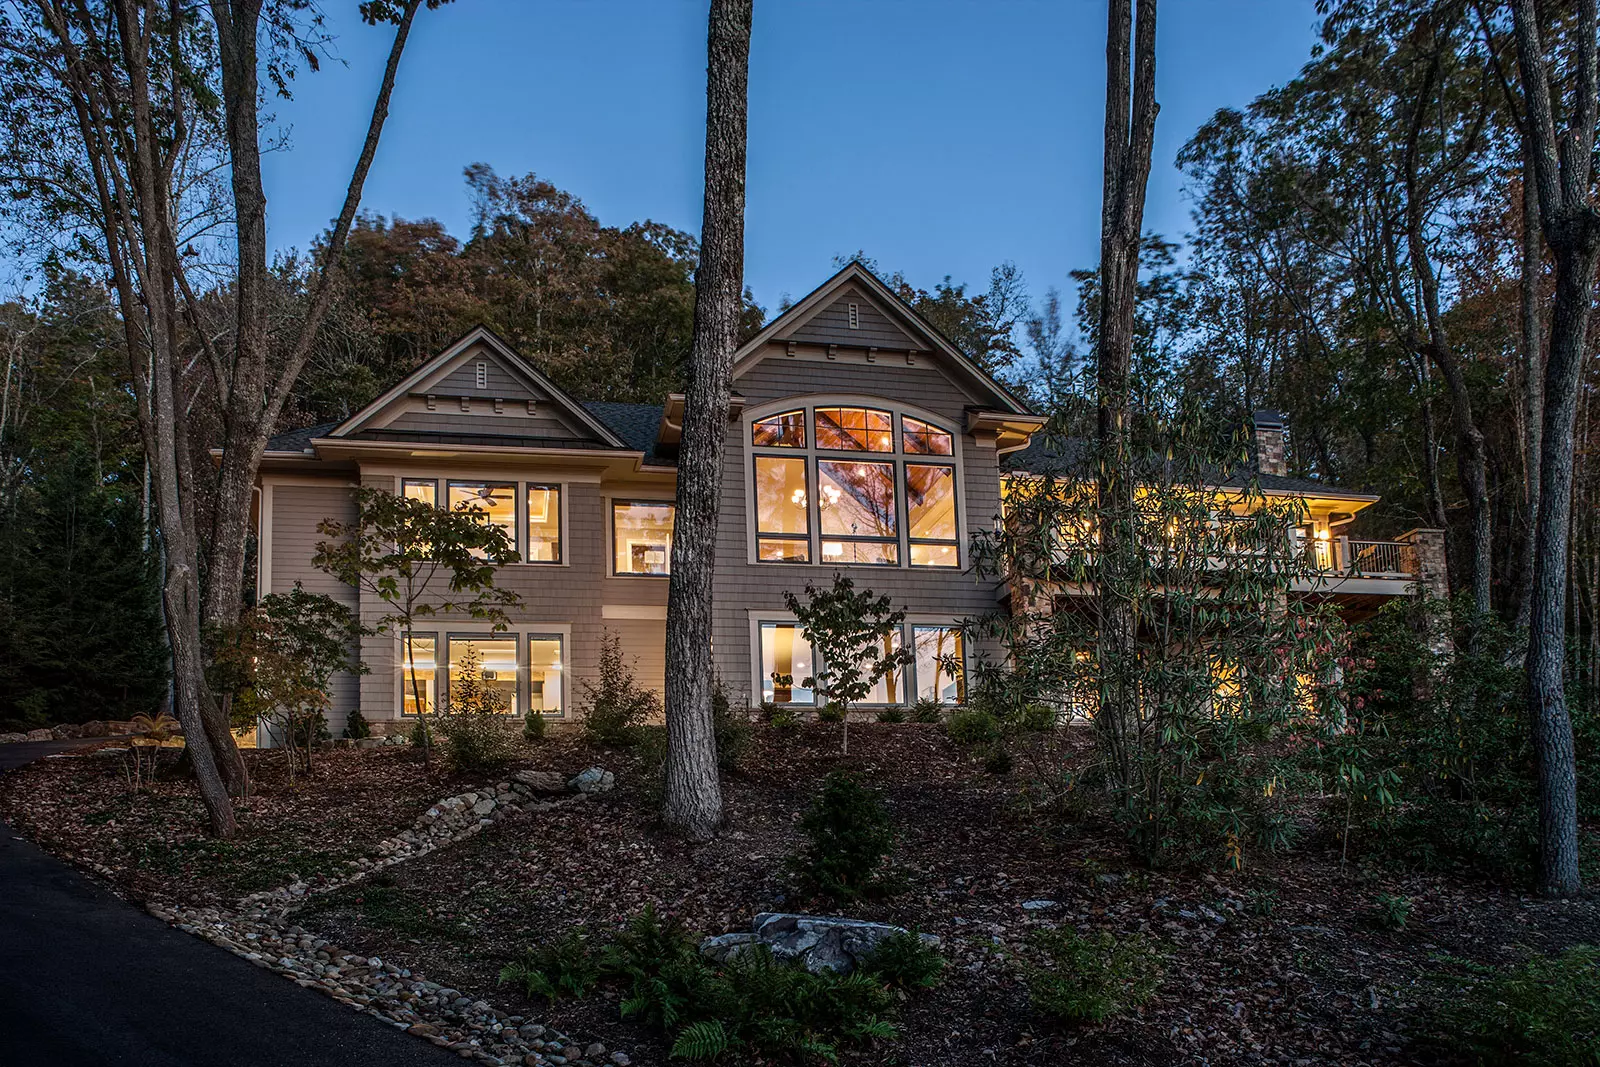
1129	138
855	638
421	562
280	660
123	117
692	802
1563	166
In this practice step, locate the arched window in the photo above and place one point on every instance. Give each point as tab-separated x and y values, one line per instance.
853	484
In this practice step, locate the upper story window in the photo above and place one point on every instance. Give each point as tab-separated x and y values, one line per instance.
528	512
641	536
812	505
854	430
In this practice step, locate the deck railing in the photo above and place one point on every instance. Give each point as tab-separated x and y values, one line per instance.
1364	559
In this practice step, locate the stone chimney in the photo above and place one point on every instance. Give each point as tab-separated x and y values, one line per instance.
1270	457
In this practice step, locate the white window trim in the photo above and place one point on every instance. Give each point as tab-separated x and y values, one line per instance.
899	457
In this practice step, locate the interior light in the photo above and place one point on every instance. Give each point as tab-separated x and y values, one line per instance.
832	548
1322	535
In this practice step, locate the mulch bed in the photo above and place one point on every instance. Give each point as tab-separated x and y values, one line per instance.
1312	982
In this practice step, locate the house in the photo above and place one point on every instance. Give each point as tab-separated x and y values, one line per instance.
859	441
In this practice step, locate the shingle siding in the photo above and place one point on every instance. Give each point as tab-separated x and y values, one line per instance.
831	325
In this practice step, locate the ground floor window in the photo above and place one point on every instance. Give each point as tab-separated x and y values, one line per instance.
937	670
495	659
418	672
786	662
545	665
940	663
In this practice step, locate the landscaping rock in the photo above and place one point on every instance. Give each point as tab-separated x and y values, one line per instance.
816	942
40	735
96	728
11	739
541	781
65	730
593	780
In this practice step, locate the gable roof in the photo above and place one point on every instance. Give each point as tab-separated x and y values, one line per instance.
900	315
441	365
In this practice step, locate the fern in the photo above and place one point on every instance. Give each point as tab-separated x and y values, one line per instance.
704	1040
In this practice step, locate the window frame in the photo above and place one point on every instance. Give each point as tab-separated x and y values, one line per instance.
792	454
480	636
525	525
402	679
441	491
909	682
526	639
611	535
516	504
899	459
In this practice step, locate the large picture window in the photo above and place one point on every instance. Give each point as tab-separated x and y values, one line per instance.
495	503
496	665
937	669
641	536
544	524
897	506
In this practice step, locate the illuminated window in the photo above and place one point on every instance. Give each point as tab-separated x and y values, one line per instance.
545	667
495	503
641	536
544	524
856	505
922	439
418	673
854	430
497	668
423	489
782	510
891	688
787	430
931	515
940	662
786	662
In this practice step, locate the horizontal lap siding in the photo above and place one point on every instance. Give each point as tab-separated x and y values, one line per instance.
742	587
499	381
296	511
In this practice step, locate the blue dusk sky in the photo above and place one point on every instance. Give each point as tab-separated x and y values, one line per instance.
938	136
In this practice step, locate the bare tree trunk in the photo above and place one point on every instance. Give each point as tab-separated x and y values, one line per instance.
693	802
1532	383
1564	168
1129	138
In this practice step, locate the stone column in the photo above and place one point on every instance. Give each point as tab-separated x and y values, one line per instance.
1432	573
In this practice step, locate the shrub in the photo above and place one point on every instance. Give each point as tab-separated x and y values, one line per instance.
832	711
1544	1013
998	761
1081	979
906	961
892	713
477	735
418	735
971	727
615	705
782	717
926	710
535	727
1038	718
732	730
307	729
356	727
850	835
1390	911
564	967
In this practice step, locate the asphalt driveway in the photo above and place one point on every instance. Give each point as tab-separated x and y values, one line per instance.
86	979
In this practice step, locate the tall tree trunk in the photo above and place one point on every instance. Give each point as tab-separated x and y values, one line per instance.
1129	137
1532	384
1564	167
692	805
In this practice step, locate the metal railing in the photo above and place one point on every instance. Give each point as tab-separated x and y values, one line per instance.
1365	559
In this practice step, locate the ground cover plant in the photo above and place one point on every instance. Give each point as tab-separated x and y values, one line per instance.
1277	961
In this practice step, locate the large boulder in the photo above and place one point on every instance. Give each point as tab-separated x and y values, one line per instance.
541	781
41	735
10	739
816	942
593	780
65	730
96	728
